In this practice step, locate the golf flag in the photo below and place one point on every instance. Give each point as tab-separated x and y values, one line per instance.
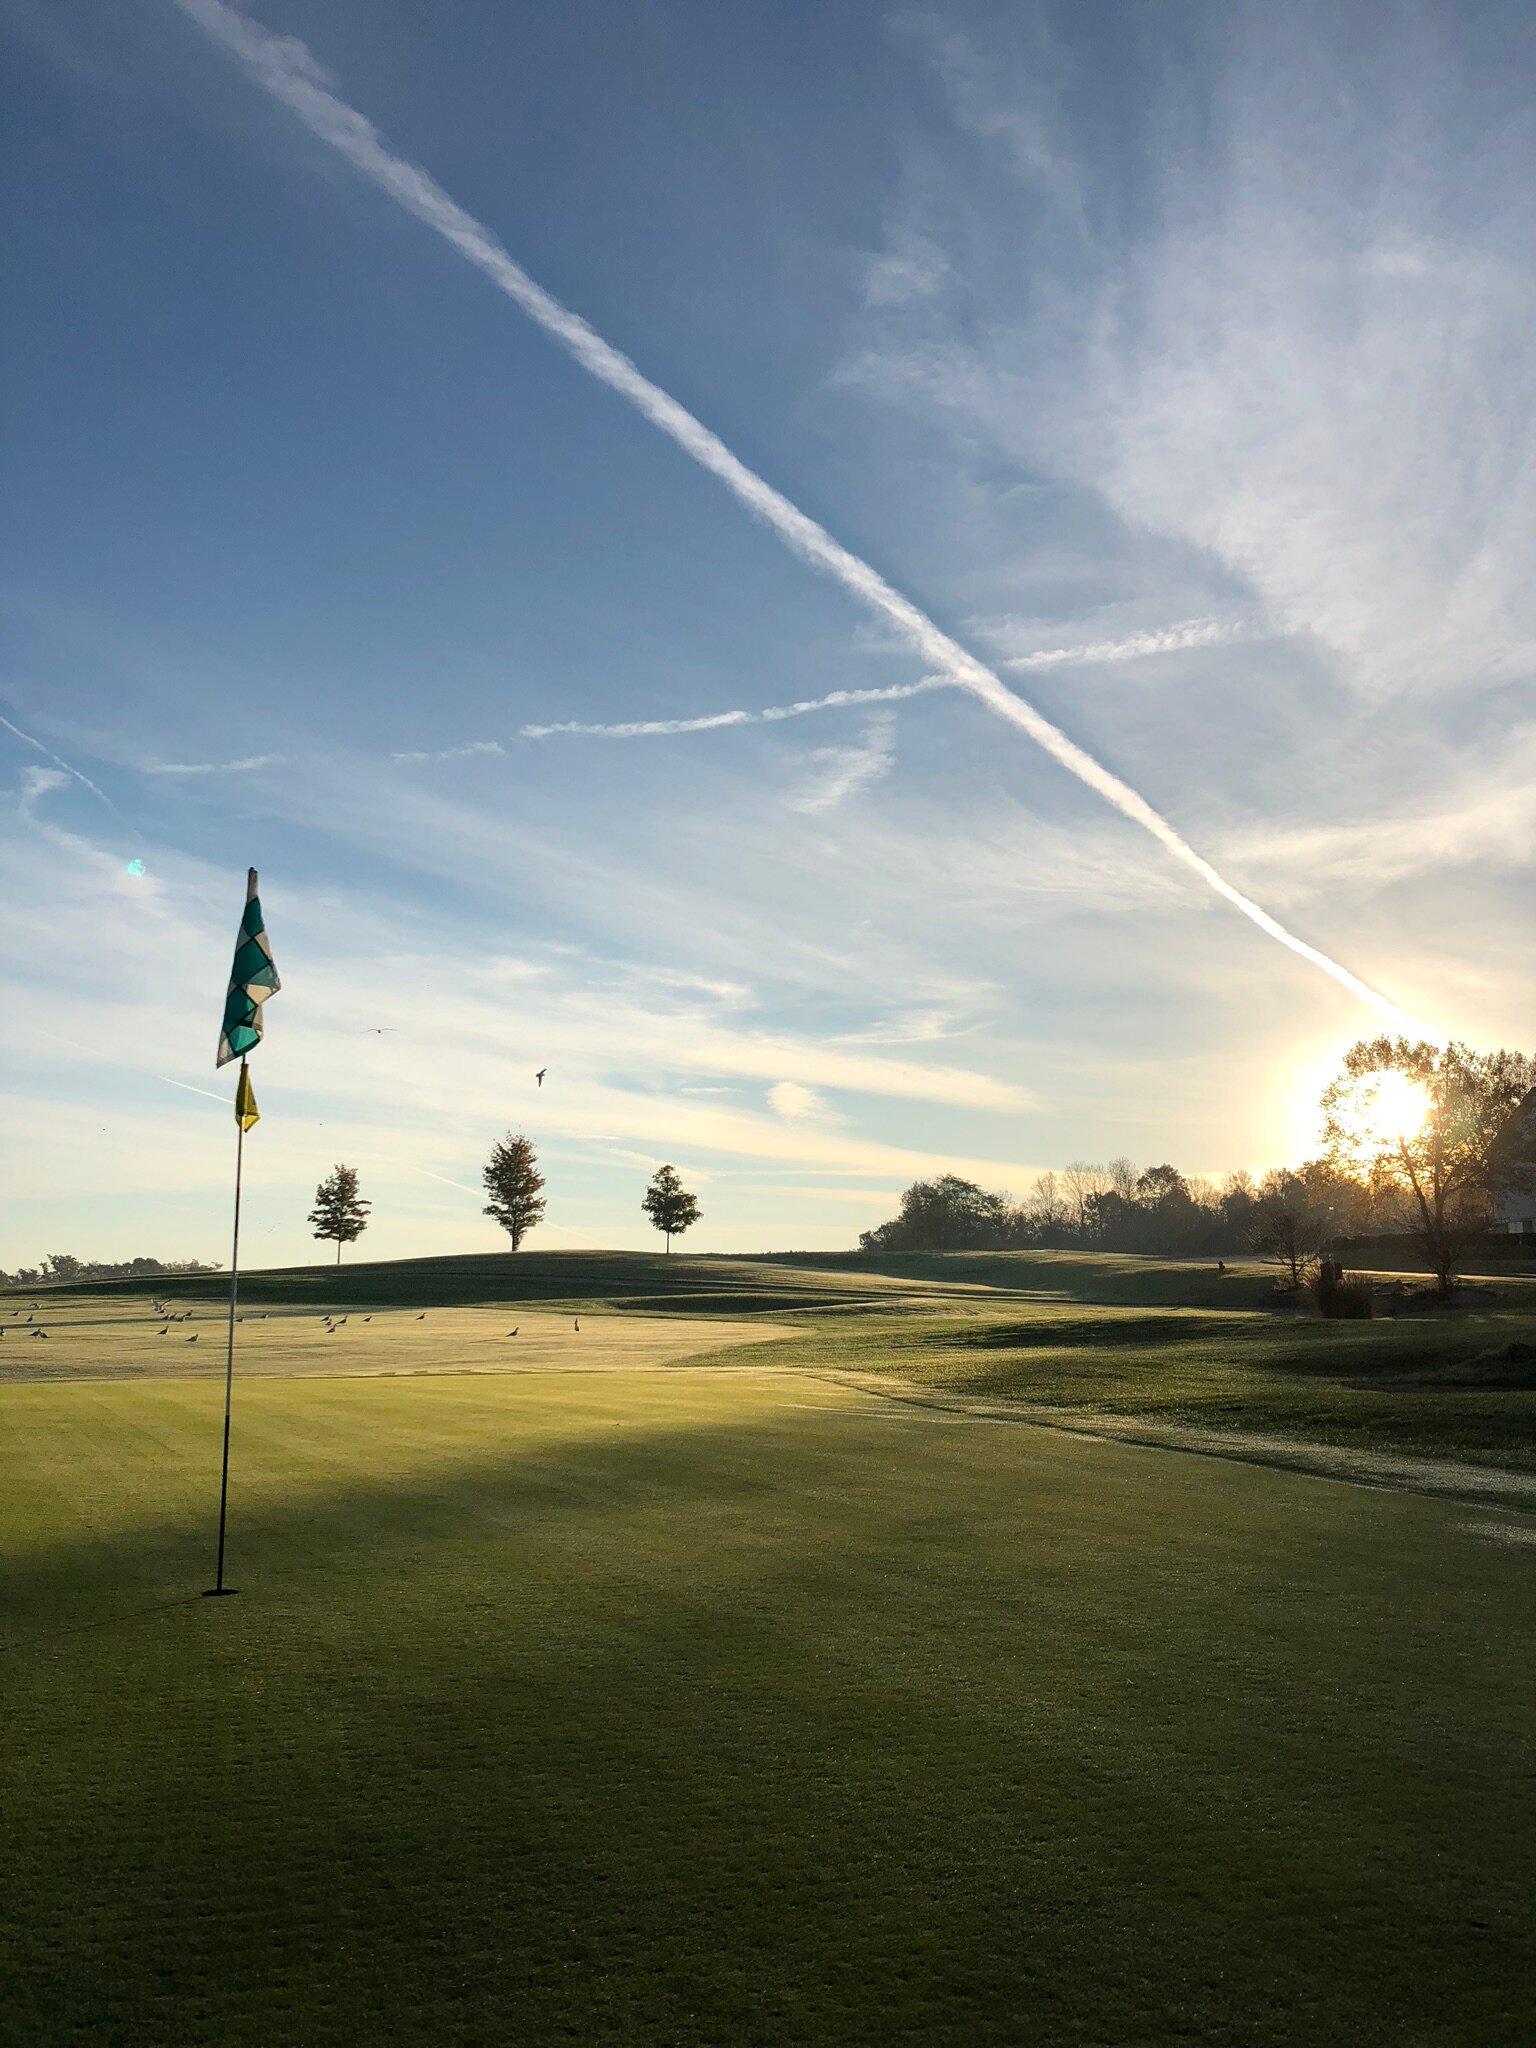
251	980
246	1112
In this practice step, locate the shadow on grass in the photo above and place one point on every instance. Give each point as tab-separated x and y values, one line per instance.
1066	1332
484	1754
636	1281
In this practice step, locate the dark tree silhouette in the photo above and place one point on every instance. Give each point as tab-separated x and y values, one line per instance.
944	1215
1290	1224
340	1211
669	1205
513	1182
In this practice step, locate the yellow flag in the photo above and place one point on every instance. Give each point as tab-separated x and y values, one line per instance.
246	1112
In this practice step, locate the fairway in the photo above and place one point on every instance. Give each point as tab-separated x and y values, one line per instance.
714	1704
106	1339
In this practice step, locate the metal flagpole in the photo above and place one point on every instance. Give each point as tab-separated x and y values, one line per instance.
218	1589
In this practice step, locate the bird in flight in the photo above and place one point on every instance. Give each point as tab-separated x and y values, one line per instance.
377	1030
539	1076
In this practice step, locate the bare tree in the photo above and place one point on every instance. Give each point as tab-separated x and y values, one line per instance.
1047	1206
1080	1182
1123	1176
1288	1226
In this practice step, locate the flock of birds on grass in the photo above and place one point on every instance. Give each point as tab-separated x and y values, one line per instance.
332	1323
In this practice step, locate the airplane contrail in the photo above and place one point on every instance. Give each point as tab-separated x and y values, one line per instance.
285	67
646	728
1171	640
59	762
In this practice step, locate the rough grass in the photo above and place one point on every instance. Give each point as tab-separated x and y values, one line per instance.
725	1706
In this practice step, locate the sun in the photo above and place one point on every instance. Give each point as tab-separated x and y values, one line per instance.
1383	1109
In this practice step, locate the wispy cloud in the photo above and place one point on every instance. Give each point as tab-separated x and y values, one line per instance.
36	783
1482	812
840	771
908	1027
1309	354
459	753
287	70
798	1104
911	268
245	765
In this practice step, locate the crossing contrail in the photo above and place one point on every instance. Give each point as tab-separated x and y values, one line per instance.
285	68
648	728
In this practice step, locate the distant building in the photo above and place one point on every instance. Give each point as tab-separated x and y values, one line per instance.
1514	1171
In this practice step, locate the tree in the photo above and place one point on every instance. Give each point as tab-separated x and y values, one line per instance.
1289	1226
513	1182
340	1211
1236	1204
62	1266
669	1205
944	1215
1081	1181
1050	1210
1421	1122
1122	1177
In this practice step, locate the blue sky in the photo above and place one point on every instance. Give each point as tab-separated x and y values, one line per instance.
1178	363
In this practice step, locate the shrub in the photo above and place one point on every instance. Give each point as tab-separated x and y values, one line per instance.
1343	1296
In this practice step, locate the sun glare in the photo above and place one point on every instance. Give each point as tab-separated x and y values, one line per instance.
1383	1108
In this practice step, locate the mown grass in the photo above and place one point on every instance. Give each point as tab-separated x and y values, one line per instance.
1371	1386
1096	1333
706	1707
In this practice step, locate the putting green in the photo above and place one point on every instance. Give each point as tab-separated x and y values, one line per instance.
711	1706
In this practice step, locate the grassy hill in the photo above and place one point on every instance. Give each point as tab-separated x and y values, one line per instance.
634	1282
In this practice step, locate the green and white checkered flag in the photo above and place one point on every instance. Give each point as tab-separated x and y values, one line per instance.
252	979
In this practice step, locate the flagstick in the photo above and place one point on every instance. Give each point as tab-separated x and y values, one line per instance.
219	1589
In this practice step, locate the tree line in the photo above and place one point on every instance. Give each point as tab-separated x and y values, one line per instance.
1119	1207
1432	1180
59	1267
1432	1176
